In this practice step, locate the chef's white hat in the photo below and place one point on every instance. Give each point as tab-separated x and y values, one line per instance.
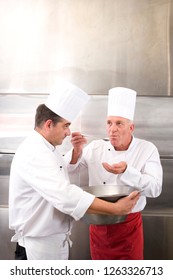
66	100
121	102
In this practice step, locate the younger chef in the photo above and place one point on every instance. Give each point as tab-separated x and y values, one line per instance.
42	201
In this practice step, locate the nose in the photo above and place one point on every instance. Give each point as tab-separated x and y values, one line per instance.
68	133
113	127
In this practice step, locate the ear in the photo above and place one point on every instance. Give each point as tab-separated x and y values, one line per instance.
132	127
48	124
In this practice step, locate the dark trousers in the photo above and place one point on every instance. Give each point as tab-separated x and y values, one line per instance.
20	253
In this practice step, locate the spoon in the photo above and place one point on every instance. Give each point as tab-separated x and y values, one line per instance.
95	137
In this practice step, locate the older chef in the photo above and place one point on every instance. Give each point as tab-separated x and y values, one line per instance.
42	202
124	160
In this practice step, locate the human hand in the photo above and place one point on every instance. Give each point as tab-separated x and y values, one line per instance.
116	168
125	205
78	141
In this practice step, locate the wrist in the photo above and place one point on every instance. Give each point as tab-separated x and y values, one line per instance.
77	152
75	156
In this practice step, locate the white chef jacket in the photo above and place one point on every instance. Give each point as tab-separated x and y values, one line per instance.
42	201
144	169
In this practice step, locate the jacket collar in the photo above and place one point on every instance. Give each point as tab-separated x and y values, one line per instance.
48	144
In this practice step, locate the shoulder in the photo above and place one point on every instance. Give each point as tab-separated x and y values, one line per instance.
94	148
144	144
96	145
32	147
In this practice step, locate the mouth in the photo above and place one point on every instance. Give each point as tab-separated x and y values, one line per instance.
114	137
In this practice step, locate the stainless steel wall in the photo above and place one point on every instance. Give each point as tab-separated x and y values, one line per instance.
96	44
153	121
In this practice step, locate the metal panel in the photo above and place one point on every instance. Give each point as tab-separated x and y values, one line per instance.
7	247
158	241
4	187
17	114
5	163
16	119
95	45
163	203
80	238
158	219
153	120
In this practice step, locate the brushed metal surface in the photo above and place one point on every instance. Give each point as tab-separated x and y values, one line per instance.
153	120
4	190
111	194
98	219
7	247
158	241
5	164
101	45
165	201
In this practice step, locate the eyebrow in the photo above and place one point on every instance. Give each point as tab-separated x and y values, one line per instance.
67	123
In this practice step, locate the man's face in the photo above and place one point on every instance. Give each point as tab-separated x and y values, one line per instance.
58	132
120	132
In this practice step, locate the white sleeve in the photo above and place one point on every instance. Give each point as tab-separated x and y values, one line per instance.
150	177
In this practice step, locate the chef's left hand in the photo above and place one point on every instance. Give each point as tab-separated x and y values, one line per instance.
116	168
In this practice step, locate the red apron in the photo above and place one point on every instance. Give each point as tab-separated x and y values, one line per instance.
122	241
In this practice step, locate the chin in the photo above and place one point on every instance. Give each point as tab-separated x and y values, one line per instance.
58	143
116	145
114	142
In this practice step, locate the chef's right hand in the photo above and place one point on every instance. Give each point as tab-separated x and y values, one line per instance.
78	141
126	204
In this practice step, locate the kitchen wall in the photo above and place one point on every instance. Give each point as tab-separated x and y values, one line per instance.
97	44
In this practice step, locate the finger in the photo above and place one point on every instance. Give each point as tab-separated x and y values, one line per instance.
76	133
107	168
134	194
106	165
78	137
79	141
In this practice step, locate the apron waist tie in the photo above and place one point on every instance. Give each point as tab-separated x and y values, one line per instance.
67	239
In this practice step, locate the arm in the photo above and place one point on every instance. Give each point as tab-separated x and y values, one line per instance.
78	141
147	173
68	198
121	207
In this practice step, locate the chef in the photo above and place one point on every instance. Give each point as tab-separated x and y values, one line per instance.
42	201
123	160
